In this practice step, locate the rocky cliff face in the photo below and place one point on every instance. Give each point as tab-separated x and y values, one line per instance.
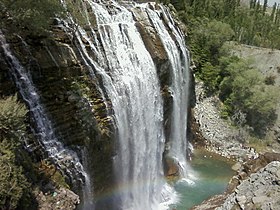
67	93
80	114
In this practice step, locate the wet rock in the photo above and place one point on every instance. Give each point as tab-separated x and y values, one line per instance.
59	199
171	167
7	87
150	37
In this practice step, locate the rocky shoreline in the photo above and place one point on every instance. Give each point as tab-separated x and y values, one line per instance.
261	190
255	186
257	182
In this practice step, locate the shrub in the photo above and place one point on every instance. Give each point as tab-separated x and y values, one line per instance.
33	15
12	181
12	115
211	77
244	90
278	69
270	80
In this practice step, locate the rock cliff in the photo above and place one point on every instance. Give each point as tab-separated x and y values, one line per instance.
72	96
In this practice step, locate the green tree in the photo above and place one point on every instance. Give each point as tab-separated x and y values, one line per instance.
272	15
264	6
13	183
33	15
12	115
211	76
207	39
244	90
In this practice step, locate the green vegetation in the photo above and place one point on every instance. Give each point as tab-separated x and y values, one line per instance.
13	183
19	174
34	16
253	25
78	11
242	89
12	114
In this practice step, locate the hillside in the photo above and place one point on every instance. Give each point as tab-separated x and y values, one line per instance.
267	61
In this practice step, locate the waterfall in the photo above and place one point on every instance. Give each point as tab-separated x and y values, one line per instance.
130	80
178	57
133	88
67	160
138	110
124	69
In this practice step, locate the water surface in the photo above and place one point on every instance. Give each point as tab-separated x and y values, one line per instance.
210	176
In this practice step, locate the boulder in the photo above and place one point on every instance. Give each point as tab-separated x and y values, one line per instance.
257	191
171	168
255	186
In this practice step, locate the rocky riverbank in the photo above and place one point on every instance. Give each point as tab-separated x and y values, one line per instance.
218	135
256	186
257	183
259	191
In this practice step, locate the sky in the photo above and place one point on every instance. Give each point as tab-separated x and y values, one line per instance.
271	2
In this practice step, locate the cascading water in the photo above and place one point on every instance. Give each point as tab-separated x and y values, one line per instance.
114	52
138	111
134	90
130	80
178	57
65	159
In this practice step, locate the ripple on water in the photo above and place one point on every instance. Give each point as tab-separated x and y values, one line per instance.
211	176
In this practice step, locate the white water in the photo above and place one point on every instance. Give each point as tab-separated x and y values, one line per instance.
178	56
138	110
66	159
130	79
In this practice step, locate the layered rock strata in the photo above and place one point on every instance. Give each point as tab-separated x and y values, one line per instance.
81	114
